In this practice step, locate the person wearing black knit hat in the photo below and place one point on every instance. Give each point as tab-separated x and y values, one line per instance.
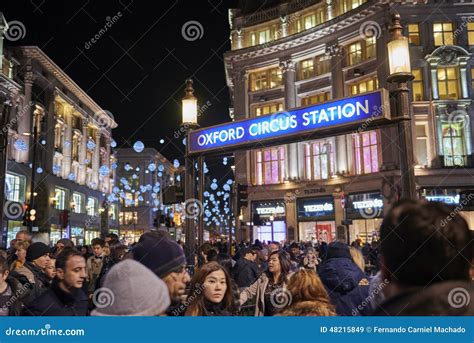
166	259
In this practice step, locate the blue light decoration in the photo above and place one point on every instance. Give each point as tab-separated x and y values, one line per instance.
43	141
154	209
111	198
161	168
123	181
138	146
219	193
142	189
224	161
148	187
39	170
152	167
128	202
176	163
127	187
114	165
336	113
226	187
184	141
20	145
115	189
156	189
86	161
90	144
156	202
127	167
137	169
134	176
213	186
154	195
56	169
178	177
67	144
230	181
113	143
206	194
72	176
104	170
160	174
140	198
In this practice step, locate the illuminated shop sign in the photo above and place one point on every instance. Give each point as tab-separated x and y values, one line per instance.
365	205
447	199
338	113
316	207
269	208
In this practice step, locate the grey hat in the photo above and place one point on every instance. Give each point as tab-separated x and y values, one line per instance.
131	289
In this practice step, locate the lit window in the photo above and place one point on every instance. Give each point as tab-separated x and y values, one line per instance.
15	187
315	99
267	109
370	45
319	160
128	218
421	145
60	198
316	66
448	83
270	166
92	206
77	202
355	53
347	5
266	79
362	50
443	34
306	69
470	33
364	86
309	21
113	211
366	151
453	145
414	34
417	85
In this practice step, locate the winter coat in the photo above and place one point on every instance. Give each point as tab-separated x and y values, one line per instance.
446	298
18	293
309	308
245	272
257	289
107	264
36	285
56	302
347	286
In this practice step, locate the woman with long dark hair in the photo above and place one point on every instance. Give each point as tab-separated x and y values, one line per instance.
210	293
270	287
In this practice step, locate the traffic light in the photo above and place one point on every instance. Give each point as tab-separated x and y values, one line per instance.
29	219
242	196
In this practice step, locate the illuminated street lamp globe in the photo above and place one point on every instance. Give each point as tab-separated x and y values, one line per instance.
398	53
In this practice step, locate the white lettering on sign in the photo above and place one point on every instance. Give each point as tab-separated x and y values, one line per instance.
326	207
372	203
220	136
444	198
335	113
270	210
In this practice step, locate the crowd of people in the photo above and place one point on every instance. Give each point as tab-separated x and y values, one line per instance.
420	261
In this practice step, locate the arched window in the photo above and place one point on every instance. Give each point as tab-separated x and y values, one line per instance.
453	145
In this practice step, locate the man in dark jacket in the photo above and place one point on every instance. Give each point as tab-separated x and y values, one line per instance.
246	271
12	291
426	253
65	297
347	285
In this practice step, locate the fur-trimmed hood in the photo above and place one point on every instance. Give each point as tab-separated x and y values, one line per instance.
309	308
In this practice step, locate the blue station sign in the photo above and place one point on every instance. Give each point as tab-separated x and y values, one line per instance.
343	113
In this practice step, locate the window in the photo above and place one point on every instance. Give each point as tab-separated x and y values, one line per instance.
113	211
267	79
128	218
362	50
370	47
77	202
267	109
319	160
315	99
443	34
421	145
347	5
309	20
15	187
262	36
417	85
453	144
355	53
448	83
316	66
75	148
270	165
364	86
60	198
414	34
58	136
470	33
366	150
92	206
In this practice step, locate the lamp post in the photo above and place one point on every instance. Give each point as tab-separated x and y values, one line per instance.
400	74
189	122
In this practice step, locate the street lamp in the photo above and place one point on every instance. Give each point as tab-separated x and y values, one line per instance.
189	122
400	74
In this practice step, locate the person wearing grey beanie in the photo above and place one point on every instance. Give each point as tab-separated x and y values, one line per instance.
131	289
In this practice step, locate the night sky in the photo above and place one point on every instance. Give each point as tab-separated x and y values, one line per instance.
137	69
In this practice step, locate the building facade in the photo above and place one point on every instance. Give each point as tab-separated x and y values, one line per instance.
141	179
306	52
72	153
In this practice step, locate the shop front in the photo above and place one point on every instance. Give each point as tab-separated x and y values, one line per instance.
316	221
130	236
269	220
463	199
91	233
77	235
57	232
13	227
365	210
